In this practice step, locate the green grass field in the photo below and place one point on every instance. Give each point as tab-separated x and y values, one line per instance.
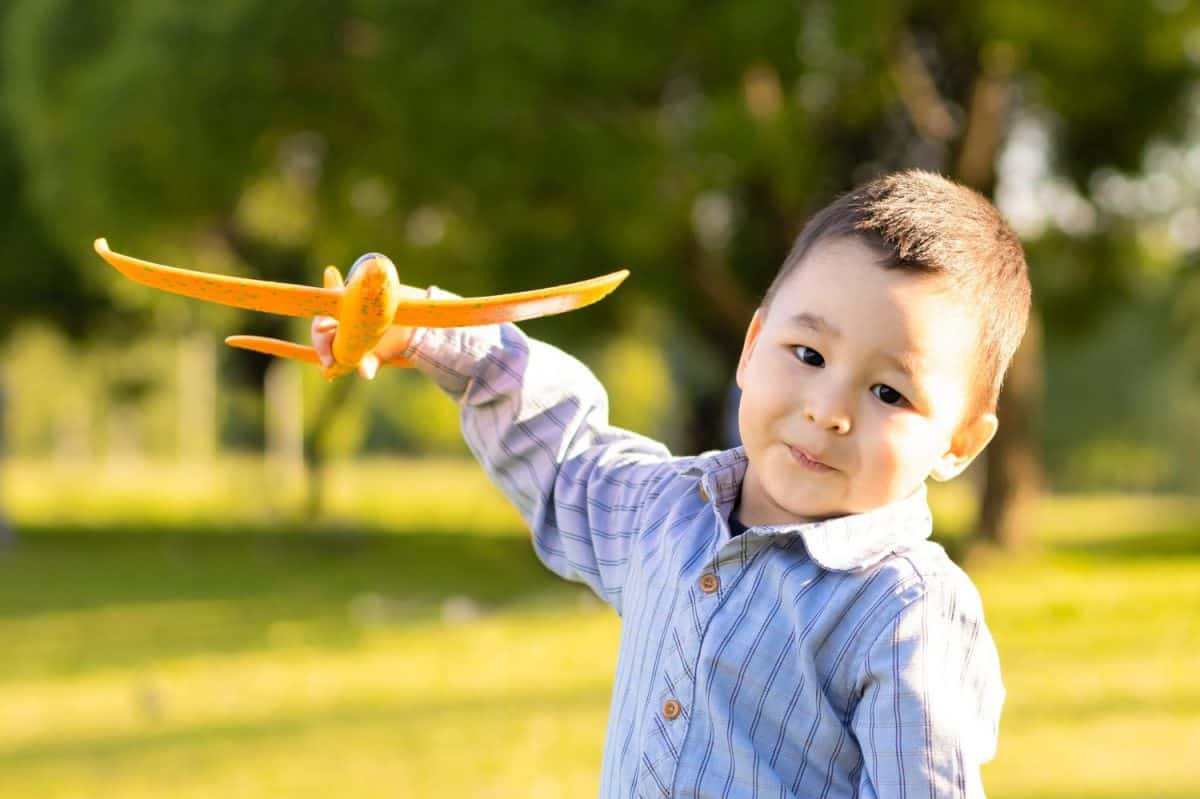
168	633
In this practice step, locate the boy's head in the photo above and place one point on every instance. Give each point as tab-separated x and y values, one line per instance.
879	349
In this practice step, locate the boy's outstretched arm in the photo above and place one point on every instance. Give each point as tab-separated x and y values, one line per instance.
537	420
929	715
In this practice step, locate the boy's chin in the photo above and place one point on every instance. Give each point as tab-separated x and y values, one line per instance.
778	496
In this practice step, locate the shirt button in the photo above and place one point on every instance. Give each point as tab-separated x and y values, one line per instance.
672	709
709	583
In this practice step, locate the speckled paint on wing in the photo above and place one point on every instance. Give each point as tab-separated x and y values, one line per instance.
285	299
507	307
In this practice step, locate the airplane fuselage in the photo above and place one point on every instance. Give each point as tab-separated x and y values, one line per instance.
368	307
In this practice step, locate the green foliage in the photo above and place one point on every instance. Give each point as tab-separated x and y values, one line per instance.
41	416
1121	407
36	280
637	376
96	400
512	144
508	145
84	400
408	413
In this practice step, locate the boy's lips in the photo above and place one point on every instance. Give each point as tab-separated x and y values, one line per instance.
808	460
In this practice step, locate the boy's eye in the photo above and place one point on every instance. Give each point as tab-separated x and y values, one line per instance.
809	356
887	395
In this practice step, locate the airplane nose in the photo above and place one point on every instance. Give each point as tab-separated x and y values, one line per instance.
363	260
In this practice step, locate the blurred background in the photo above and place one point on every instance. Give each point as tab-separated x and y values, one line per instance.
220	575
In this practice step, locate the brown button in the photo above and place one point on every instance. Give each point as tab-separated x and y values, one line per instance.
704	493
672	709
709	583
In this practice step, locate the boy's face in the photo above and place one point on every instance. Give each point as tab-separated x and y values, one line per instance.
866	371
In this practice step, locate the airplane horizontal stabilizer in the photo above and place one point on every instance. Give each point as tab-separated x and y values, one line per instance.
288	349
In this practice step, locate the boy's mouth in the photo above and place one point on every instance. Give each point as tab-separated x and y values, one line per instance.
808	460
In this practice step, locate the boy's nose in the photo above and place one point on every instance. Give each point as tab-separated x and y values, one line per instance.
828	418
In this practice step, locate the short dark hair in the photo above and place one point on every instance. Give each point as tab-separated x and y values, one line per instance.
924	223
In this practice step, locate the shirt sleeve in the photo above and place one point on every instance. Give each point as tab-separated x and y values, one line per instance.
537	420
929	715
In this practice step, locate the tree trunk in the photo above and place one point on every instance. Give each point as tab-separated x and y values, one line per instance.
1013	475
7	537
1014	472
196	399
315	444
283	402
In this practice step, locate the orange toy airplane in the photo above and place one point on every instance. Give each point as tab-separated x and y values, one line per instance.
365	305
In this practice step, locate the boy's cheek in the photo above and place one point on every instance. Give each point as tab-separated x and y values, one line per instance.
753	414
895	466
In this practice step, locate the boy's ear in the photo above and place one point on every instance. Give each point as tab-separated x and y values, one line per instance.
968	442
752	332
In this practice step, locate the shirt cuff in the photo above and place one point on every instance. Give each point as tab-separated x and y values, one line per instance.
450	356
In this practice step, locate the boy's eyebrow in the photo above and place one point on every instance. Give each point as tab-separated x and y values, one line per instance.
815	322
906	365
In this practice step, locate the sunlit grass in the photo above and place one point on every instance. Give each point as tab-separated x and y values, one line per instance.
450	494
173	633
419	711
1100	655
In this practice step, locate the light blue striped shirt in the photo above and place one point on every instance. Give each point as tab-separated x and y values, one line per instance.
843	658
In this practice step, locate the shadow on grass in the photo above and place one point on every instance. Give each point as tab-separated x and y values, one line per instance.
78	599
61	569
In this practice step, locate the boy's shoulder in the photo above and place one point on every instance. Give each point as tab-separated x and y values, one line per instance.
924	571
916	592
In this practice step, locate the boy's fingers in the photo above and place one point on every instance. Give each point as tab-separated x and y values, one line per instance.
323	329
324	348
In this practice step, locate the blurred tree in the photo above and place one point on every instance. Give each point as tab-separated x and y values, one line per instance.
509	144
36	279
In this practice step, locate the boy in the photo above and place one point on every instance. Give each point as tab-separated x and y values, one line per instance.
788	630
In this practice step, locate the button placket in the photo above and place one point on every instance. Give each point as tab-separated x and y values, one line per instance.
673	691
676	682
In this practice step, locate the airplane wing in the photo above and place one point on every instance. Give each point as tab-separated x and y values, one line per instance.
514	307
286	299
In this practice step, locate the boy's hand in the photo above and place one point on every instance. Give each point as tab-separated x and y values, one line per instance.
392	345
324	328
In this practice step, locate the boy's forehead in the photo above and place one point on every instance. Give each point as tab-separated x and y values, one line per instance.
840	289
853	272
846	274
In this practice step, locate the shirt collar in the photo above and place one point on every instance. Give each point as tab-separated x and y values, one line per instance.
844	544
